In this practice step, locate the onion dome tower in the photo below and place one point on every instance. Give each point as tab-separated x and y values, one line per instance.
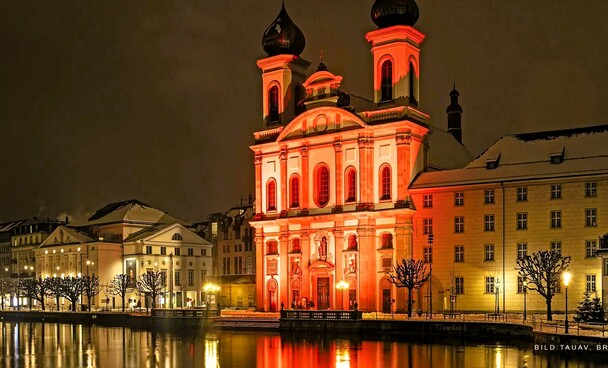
283	70
283	36
454	112
388	13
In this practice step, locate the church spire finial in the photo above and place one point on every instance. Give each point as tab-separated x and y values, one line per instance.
322	65
454	112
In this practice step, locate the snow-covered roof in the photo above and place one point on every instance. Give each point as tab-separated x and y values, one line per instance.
132	211
65	235
581	151
445	152
156	232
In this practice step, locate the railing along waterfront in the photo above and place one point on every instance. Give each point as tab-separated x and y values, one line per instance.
334	315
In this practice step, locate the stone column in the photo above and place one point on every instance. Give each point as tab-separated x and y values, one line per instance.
284	267
284	188
339	175
403	139
305	290
258	183
368	284
260	274
305	179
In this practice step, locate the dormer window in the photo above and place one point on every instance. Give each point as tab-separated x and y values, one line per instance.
386	81
492	164
557	158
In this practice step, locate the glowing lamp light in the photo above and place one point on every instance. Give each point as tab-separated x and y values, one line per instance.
567	276
342	285
211	288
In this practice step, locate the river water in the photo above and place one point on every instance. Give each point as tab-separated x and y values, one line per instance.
53	345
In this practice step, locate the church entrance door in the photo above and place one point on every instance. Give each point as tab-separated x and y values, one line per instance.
323	293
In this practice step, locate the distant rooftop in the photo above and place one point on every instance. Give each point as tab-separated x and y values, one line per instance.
133	211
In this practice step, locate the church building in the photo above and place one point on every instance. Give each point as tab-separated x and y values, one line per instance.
332	171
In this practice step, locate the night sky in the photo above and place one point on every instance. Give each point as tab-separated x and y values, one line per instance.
103	101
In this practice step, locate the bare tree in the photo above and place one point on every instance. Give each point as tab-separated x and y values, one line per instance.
410	274
151	283
90	288
36	289
542	271
54	288
72	289
4	288
121	285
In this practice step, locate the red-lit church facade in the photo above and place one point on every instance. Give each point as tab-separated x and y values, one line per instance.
332	179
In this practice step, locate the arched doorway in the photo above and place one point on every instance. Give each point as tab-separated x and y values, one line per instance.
272	288
385	295
352	293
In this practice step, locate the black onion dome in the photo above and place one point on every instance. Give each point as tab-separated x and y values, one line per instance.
283	36
387	13
454	105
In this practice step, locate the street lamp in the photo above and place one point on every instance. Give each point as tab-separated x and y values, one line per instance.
430	239
525	293
497	292
342	286
567	276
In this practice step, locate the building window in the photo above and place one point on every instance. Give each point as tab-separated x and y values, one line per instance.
271	195
459	285
190	251
386	81
489	253
522	194
556	219
605	266
203	252
412	79
428	255
294	185
520	284
459	199
556	191
428	201
272	247
177	275
177	251
385	183
387	241
163	251
590	248
489	196
591	189
459	224
148	249
176	236
489	222
295	245
490	285
556	246
459	253
522	250
522	221
428	226
190	277
322	186
591	217
351	185
273	104
591	284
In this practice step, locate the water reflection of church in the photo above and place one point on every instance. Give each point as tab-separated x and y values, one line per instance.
333	170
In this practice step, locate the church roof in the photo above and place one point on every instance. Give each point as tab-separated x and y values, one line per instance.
132	211
64	235
445	152
528	156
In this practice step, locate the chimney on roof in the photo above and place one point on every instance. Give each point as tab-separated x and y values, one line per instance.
454	112
67	220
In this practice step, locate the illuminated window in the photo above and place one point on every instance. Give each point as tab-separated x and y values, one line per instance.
387	240
351	185
272	247
271	195
322	186
294	185
273	104
385	183
386	82
413	100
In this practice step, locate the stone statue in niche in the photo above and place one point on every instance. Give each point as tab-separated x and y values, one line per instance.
352	242
296	270
350	262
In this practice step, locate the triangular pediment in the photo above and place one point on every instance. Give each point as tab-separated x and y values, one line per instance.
63	235
319	121
168	234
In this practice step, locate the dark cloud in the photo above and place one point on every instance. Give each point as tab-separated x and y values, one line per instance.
107	100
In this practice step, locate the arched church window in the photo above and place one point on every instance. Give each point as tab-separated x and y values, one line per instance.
387	240
271	195
294	191
412	85
351	185
322	185
386	81
272	247
273	104
385	183
176	236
